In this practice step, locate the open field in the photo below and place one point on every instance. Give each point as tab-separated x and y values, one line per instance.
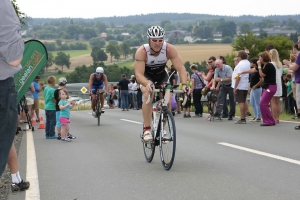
201	52
191	53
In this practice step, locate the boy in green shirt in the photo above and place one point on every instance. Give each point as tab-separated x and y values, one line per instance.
50	109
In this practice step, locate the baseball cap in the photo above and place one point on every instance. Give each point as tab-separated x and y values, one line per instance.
62	80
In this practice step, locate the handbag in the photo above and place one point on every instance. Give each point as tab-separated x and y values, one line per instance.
265	85
204	89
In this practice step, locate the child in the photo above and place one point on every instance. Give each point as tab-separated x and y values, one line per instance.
64	118
50	108
62	82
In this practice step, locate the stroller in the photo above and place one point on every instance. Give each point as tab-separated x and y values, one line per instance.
212	98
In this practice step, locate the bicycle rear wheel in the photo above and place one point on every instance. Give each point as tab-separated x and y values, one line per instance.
167	145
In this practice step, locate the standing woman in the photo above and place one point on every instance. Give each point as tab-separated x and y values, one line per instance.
275	101
197	83
255	92
267	71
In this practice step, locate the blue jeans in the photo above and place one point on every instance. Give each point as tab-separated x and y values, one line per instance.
124	99
9	118
50	122
254	101
130	100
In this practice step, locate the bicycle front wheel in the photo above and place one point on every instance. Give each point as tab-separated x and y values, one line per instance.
149	149
98	112
167	144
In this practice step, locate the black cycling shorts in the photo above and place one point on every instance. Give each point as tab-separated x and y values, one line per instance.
157	79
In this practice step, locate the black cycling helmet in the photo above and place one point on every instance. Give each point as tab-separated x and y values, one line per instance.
155	32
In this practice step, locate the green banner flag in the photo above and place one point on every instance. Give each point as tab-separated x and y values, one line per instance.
35	57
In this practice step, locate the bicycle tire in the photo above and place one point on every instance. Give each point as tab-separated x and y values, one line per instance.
167	147
149	147
98	111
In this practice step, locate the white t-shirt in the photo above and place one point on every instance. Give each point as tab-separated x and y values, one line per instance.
134	88
243	65
278	80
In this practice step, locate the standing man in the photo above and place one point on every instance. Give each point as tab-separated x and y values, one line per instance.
222	76
150	67
96	82
11	55
240	84
212	62
123	87
37	89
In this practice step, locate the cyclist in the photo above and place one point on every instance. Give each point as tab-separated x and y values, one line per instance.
97	82
149	65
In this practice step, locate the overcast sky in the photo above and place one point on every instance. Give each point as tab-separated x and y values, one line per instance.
109	8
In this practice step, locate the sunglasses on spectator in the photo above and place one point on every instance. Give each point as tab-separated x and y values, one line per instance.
157	40
209	62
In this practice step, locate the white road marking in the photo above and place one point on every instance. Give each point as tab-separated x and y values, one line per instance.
261	153
33	193
131	121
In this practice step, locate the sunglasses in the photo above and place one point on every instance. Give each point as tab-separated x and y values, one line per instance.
157	40
209	62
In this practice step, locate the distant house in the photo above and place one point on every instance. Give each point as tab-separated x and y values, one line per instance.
176	34
274	31
188	39
103	35
125	34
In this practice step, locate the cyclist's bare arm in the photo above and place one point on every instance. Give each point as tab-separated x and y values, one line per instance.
105	82
139	67
177	62
91	80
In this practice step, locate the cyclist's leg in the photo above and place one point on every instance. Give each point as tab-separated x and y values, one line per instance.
147	112
101	96
94	90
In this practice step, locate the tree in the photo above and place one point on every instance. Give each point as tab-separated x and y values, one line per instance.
97	42
244	27
98	54
74	30
101	27
89	33
247	41
255	44
111	49
227	32
282	44
62	60
125	49
49	62
164	22
22	16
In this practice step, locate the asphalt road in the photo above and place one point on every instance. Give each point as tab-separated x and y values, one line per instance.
214	160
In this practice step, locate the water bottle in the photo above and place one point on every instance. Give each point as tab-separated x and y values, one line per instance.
154	109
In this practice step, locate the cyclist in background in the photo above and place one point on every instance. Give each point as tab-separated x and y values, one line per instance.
97	82
149	65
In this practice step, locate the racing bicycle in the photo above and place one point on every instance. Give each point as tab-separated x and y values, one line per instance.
163	128
98	106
